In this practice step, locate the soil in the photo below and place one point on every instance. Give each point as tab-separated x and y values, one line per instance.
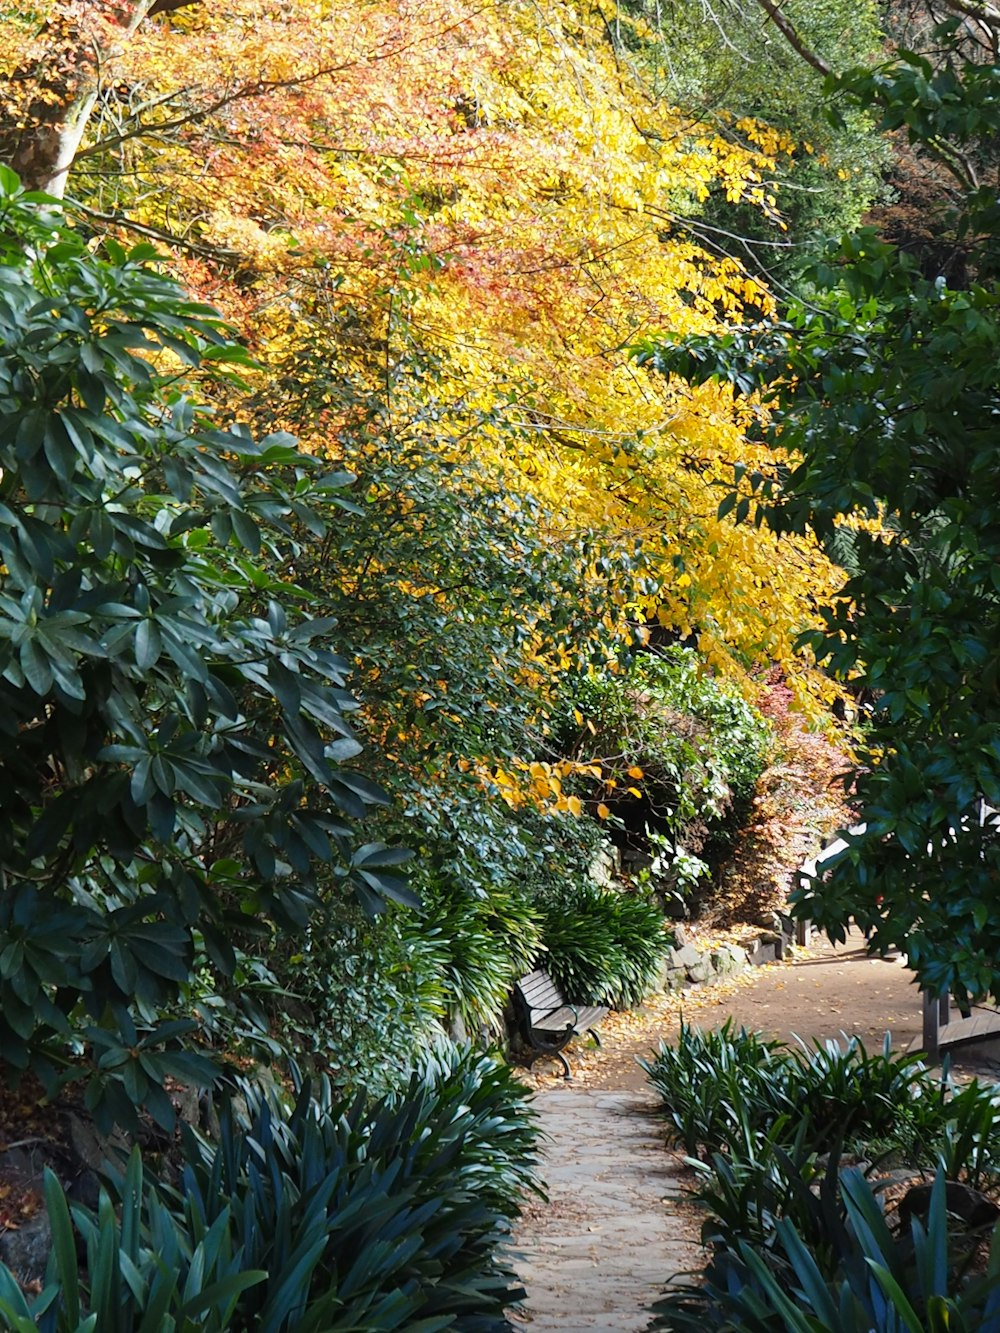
824	992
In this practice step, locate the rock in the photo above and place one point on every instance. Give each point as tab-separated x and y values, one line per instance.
731	959
26	1250
680	936
186	1101
700	972
457	1030
975	1209
686	957
603	867
765	950
769	921
91	1149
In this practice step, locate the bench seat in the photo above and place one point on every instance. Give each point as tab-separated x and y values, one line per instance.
547	1022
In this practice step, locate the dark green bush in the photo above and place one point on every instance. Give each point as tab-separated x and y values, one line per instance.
176	756
746	1195
858	1098
718	1088
368	995
604	947
725	1089
331	1215
374	1216
968	1147
147	1268
918	1282
798	1241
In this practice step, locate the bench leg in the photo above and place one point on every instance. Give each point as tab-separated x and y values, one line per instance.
593	1032
550	1055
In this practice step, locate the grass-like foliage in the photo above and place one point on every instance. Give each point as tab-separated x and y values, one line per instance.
731	1087
330	1214
604	947
484	943
799	1240
915	1280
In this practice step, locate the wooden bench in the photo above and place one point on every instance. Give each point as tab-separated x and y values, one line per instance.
547	1021
943	1033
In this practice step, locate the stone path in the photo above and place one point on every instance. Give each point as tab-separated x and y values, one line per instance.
615	1228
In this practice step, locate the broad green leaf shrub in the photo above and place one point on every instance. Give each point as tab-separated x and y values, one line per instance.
699	747
602	946
334	1213
451	562
367	996
174	720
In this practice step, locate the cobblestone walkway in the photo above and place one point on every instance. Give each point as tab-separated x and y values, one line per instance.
615	1229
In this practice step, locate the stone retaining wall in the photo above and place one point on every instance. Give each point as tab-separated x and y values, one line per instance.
688	965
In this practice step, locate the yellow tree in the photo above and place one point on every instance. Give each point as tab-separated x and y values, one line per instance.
447	223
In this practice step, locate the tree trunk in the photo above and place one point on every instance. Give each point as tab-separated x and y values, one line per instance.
46	102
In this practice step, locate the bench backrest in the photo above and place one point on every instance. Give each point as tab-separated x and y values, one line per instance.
540	992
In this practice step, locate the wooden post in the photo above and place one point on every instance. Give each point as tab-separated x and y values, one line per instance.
936	1013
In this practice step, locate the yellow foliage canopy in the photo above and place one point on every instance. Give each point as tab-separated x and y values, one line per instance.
467	213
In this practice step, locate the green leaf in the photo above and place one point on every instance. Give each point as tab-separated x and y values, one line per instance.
63	1247
148	644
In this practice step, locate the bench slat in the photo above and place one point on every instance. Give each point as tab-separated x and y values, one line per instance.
556	1020
587	1017
578	1019
541	992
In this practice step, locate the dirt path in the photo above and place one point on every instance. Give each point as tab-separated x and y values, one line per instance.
824	993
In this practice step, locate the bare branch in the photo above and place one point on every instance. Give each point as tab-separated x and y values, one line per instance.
791	36
216	252
168	6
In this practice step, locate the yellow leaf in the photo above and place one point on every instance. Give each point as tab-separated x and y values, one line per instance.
573	805
603	811
634	791
635	771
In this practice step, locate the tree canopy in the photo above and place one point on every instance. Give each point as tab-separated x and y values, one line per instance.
882	391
